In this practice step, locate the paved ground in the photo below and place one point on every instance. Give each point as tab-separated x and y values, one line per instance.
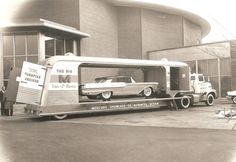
26	140
163	135
199	116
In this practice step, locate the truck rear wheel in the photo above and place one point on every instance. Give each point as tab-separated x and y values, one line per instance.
210	100
234	99
184	102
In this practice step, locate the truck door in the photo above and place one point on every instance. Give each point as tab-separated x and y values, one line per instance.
184	78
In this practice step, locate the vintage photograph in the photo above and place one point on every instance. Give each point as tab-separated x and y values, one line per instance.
117	81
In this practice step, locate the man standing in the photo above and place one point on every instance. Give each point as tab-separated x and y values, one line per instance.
2	100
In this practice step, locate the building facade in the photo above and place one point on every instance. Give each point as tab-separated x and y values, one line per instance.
117	29
215	60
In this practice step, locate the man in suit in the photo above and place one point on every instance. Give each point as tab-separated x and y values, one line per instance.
2	100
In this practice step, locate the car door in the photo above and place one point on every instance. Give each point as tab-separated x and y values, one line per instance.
131	87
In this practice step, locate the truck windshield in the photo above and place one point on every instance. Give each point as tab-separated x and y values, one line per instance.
201	78
192	77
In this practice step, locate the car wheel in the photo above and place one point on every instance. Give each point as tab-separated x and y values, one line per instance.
60	117
234	99
210	100
147	92
106	95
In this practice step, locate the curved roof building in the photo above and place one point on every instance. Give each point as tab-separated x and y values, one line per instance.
101	28
121	28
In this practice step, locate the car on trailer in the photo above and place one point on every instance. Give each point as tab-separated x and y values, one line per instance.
54	87
107	87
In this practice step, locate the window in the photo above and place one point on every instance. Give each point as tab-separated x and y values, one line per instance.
8	45
20	45
49	47
32	44
69	45
18	48
58	46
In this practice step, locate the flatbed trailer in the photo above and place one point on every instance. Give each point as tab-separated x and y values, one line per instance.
52	88
101	106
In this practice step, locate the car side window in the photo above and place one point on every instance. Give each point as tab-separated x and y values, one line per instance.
127	80
118	80
114	80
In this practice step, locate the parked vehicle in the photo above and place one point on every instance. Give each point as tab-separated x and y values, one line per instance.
231	96
107	87
203	91
54	87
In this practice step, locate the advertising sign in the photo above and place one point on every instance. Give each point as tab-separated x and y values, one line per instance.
65	68
32	76
30	83
63	86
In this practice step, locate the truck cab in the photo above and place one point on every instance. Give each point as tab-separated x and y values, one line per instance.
202	89
199	83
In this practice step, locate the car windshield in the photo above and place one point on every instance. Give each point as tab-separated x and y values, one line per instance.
102	80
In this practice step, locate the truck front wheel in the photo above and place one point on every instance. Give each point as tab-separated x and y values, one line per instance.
210	100
234	99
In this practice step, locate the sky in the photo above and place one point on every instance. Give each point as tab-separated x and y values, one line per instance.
221	14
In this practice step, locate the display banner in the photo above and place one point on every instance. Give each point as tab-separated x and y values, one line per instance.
32	76
63	86
30	83
65	68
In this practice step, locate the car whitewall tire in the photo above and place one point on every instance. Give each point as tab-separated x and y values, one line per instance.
147	92
106	95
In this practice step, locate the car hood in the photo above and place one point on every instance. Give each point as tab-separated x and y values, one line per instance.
231	93
103	85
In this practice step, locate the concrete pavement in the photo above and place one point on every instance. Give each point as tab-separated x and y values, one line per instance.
198	116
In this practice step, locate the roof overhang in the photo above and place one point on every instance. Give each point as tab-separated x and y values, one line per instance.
205	26
44	25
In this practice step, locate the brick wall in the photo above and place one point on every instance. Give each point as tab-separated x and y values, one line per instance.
160	31
192	33
129	33
99	19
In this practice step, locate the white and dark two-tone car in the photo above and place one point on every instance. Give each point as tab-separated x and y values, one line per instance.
107	87
231	95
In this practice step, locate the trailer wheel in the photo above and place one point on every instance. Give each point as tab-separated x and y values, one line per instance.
210	100
234	99
106	95
147	92
184	102
60	117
